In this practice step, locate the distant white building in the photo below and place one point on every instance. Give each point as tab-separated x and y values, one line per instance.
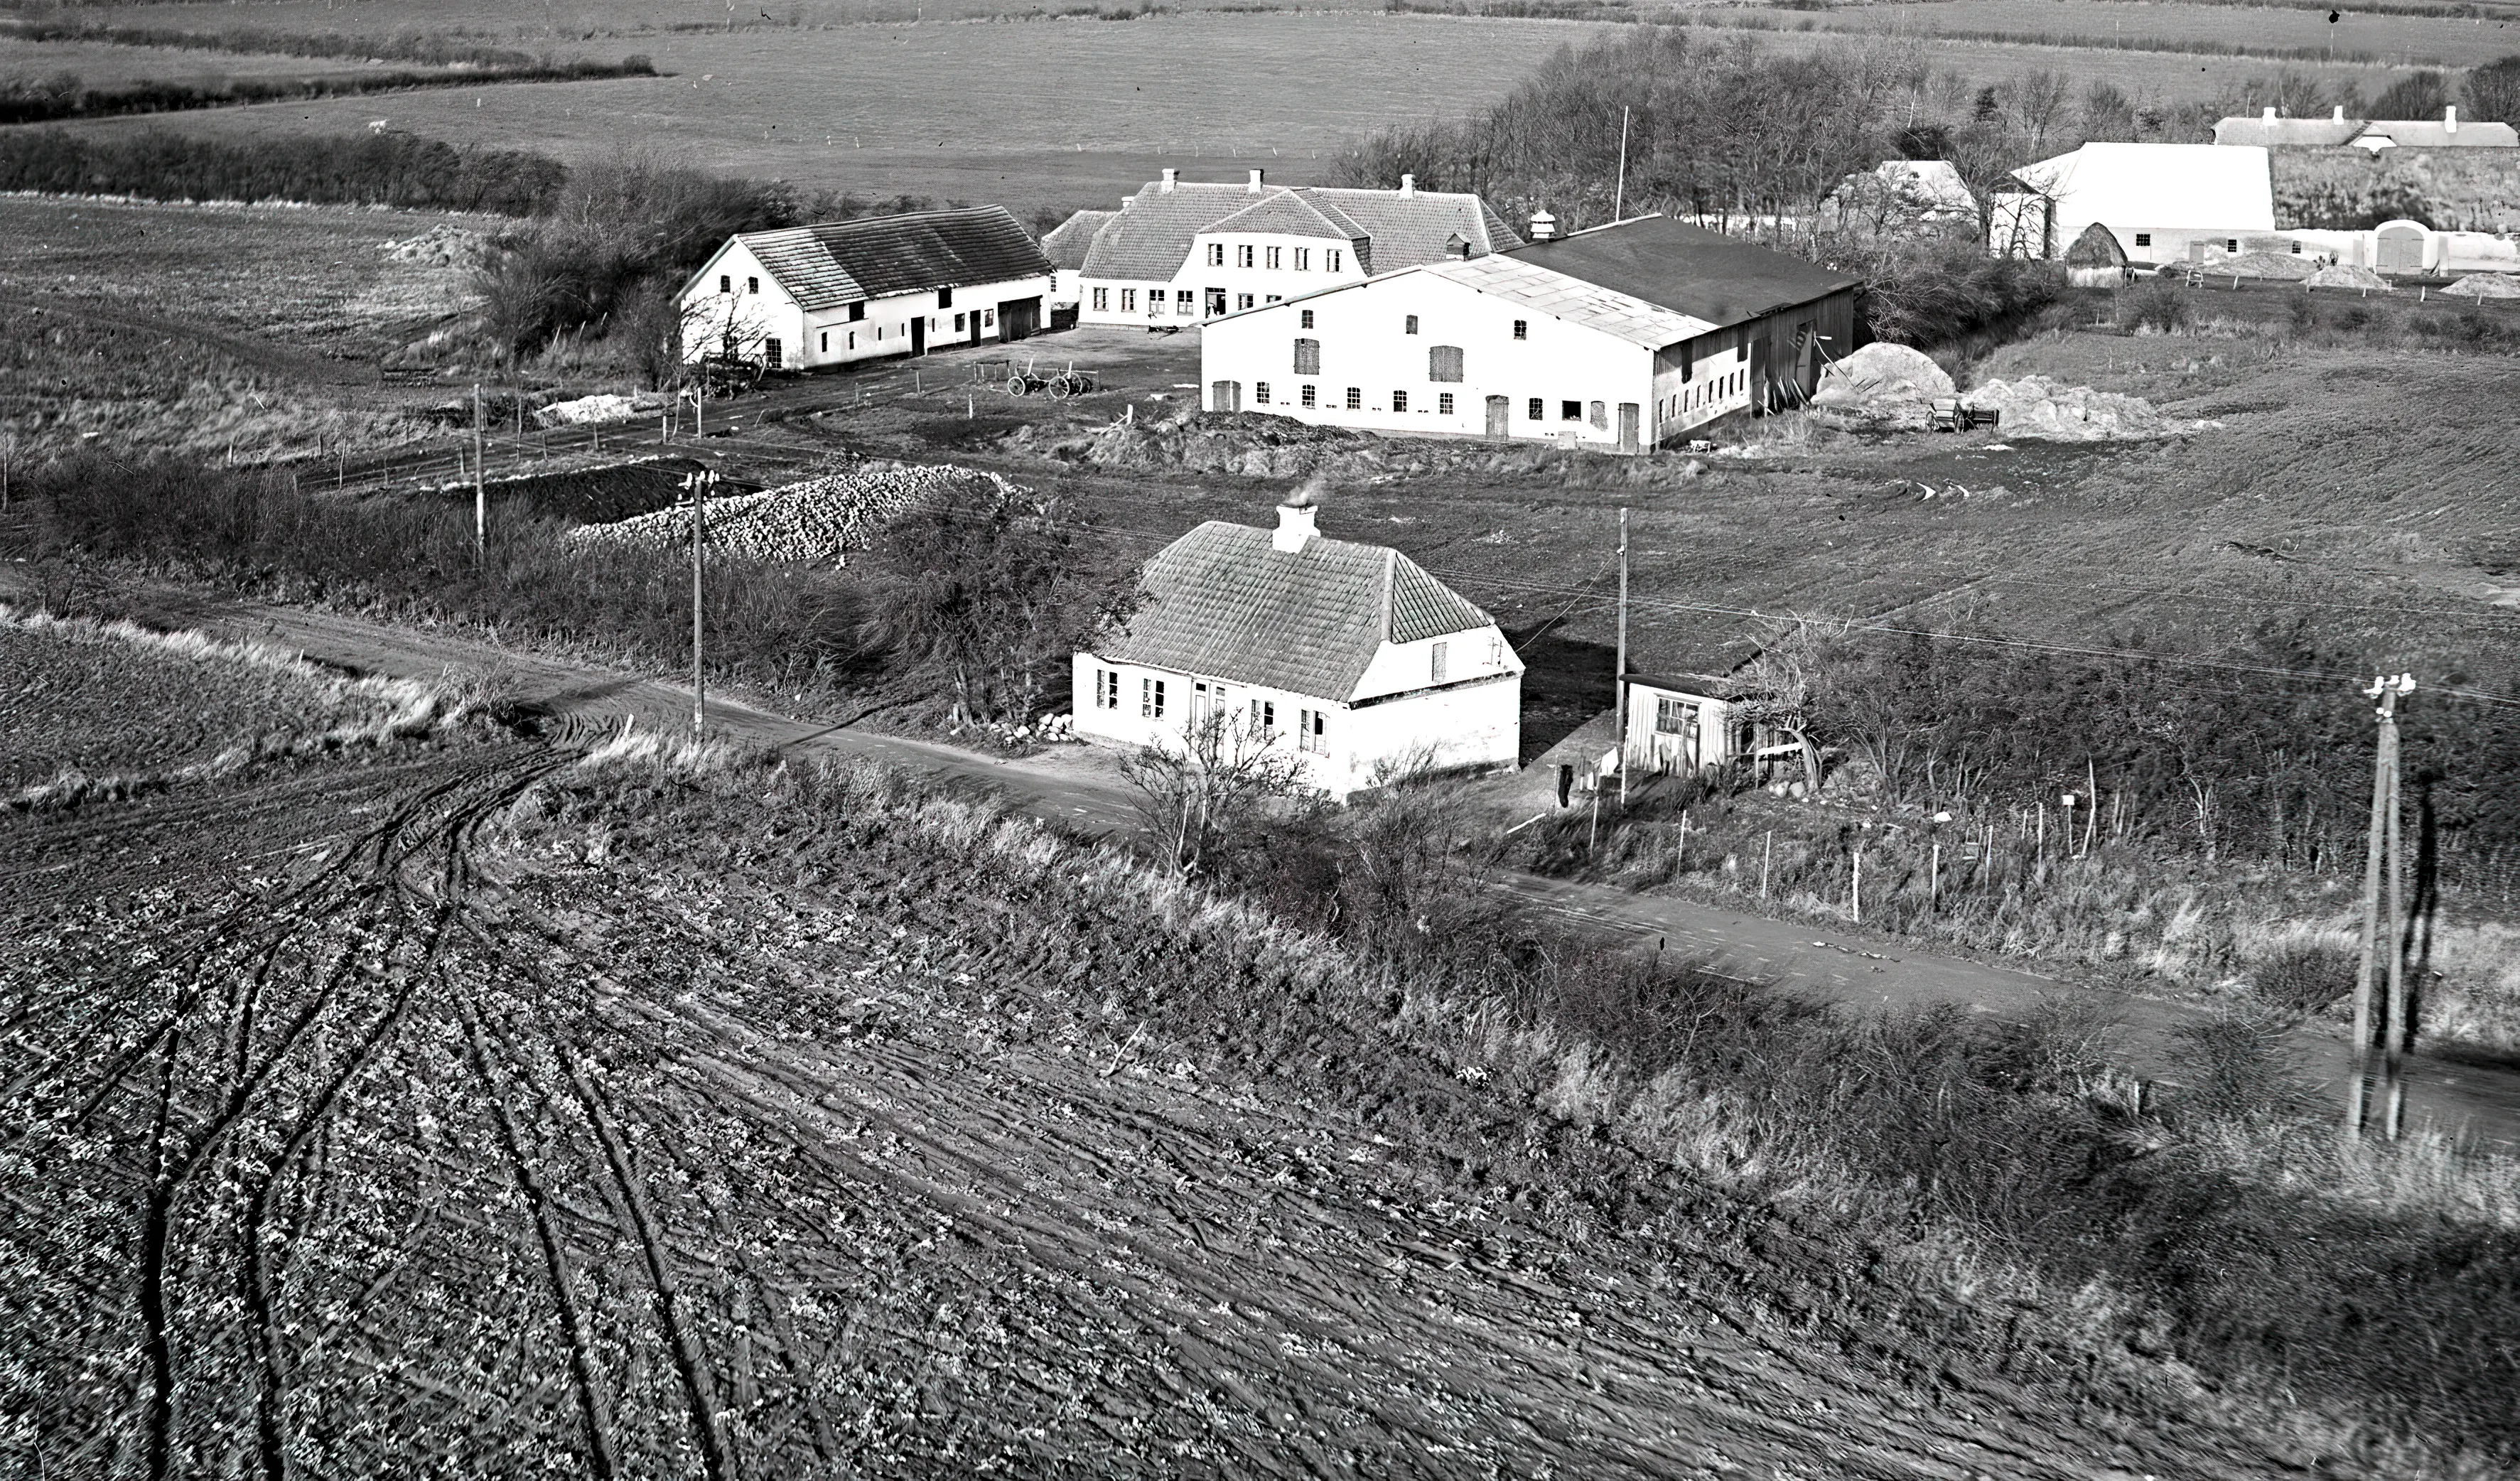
1066	247
1616	339
1179	254
1901	196
1350	657
807	296
2158	198
2274	131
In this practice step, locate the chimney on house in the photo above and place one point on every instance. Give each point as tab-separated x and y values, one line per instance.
1408	184
2269	116
1543	225
2449	120
1254	186
1171	176
1295	524
2339	115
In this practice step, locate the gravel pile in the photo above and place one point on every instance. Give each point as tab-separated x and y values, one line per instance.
2485	285
1886	387
2347	275
818	521
2036	408
2279	267
586	409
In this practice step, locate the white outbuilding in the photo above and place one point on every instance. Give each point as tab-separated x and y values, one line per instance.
2163	201
1614	339
806	296
1355	660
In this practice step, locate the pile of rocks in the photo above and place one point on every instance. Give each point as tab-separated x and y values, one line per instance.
2347	275
439	247
2038	409
2485	286
1880	387
598	408
818	521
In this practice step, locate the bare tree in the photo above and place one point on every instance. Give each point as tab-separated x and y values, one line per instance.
1221	775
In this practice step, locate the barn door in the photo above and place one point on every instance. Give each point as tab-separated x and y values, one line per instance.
2401	249
919	335
1631	416
1225	396
1495	416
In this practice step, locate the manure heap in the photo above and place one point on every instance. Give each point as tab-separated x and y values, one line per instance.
2038	408
819	520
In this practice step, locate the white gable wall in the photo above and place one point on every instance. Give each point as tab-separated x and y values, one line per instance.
1365	344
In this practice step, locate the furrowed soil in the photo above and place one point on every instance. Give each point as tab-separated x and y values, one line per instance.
558	1119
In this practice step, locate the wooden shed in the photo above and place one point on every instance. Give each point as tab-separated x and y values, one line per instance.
2098	260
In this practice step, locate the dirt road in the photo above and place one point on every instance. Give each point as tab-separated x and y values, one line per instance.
1079	790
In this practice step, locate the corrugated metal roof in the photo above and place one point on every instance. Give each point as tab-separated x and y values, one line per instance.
1686	270
2197	186
1067	243
1223	602
1150	240
843	262
1515	277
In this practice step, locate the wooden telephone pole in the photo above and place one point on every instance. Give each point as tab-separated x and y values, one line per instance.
480	494
1619	710
2384	851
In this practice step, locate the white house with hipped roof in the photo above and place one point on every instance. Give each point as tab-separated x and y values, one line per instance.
1181	252
2163	201
806	296
1616	340
1350	657
2273	130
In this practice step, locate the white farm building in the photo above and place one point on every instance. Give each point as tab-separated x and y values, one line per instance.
806	296
2164	201
1364	667
1179	254
1617	338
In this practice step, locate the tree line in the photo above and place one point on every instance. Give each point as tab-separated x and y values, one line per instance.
64	95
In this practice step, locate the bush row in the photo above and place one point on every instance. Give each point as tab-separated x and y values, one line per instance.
353	169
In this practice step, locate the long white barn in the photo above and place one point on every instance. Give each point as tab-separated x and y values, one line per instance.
807	296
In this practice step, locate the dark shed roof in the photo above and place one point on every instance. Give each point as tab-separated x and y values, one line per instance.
843	262
1705	275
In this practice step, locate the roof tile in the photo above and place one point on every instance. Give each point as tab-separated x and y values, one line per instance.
843	262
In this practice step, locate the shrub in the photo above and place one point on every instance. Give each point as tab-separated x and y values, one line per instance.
1933	289
2157	304
355	170
2305	976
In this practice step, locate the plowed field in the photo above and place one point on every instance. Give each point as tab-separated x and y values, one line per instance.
570	1122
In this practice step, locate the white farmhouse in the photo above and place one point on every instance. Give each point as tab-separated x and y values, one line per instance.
1354	658
1616	339
2163	201
806	296
1178	253
2370	135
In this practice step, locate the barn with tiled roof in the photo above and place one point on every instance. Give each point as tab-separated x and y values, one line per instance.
805	296
1350	658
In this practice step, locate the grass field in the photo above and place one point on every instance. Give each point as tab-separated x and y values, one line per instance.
2397	39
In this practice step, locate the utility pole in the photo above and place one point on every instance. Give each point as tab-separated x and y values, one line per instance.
1619	707
699	483
2381	849
480	494
1619	199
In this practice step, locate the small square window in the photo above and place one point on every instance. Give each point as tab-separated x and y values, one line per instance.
752	285
1444	404
1522	329
2231	244
1536	410
1311	396
1260	392
1571	411
1400	401
1411	327
1308	319
857	310
725	282
2143	239
1355	398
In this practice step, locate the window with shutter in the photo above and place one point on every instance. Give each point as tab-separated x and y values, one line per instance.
1444	363
1308	357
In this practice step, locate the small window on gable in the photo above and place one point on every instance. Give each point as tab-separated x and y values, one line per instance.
1260	392
1538	410
1444	404
1355	398
752	285
1410	327
1308	319
725	282
1312	396
2143	239
1522	329
1399	401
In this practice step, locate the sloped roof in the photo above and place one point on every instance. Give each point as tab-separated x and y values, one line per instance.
1686	269
1067	242
1153	236
842	262
1224	602
2436	133
2281	133
1511	276
2206	187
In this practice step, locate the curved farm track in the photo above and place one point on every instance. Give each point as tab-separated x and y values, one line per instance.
508	1122
246	349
